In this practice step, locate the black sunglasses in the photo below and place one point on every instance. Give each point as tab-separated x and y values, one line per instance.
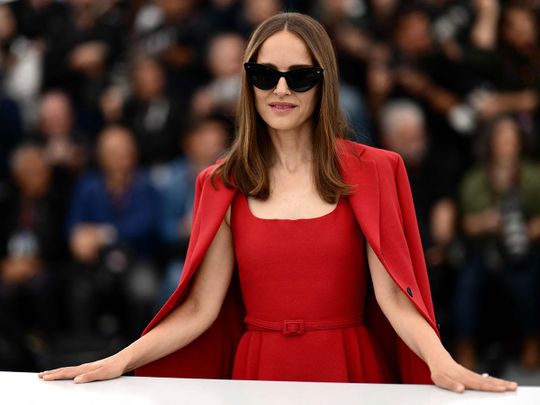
266	78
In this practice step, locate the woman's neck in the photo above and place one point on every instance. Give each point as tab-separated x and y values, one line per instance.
293	148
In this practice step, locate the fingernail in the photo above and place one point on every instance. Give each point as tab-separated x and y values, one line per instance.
77	379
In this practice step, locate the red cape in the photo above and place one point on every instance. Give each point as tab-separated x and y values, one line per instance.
383	206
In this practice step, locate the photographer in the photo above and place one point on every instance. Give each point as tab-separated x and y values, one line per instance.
500	204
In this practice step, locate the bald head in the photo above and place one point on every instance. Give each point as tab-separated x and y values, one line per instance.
116	150
55	114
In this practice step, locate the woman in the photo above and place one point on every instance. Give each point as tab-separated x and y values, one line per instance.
292	231
500	205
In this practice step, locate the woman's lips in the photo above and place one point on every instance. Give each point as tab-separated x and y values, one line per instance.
282	108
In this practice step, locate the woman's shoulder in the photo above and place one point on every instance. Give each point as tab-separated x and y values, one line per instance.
353	150
205	176
207	171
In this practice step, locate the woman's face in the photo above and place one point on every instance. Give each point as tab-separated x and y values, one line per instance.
284	51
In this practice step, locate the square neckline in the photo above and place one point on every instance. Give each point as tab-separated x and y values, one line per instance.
245	198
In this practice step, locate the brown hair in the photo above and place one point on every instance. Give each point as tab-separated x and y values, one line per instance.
252	151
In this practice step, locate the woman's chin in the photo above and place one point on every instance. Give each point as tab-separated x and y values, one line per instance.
283	125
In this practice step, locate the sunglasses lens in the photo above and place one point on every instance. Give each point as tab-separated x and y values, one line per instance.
301	80
261	77
266	78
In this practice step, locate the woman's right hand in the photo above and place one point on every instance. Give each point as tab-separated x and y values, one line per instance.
105	369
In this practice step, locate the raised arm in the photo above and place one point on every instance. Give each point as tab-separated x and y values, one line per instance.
415	331
183	325
484	29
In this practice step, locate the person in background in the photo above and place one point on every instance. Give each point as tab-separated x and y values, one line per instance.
403	129
418	68
152	115
11	130
65	147
506	53
31	251
433	177
204	142
253	12
342	20
81	52
111	227
224	62
500	206
20	64
170	31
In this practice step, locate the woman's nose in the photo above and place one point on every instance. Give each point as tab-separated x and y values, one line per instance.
281	87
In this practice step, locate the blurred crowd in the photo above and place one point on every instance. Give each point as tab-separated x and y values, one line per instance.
109	109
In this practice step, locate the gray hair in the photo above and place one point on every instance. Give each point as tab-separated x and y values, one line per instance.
396	111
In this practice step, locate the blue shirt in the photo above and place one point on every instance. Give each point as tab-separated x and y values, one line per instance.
133	215
175	183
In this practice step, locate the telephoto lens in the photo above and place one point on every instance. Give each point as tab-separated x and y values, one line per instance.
514	227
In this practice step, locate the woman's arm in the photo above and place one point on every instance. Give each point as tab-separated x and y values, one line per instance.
415	331
183	325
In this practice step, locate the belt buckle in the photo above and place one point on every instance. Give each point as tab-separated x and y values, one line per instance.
293	327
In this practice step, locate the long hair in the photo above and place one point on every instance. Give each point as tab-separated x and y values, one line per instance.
252	152
484	144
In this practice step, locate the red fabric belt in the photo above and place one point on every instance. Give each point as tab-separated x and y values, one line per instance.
296	327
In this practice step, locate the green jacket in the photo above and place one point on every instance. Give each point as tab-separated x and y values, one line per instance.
476	195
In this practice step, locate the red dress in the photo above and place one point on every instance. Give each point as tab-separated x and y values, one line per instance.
303	284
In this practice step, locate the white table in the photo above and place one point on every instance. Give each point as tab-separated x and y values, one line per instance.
27	388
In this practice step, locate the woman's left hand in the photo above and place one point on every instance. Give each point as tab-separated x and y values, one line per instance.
448	374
